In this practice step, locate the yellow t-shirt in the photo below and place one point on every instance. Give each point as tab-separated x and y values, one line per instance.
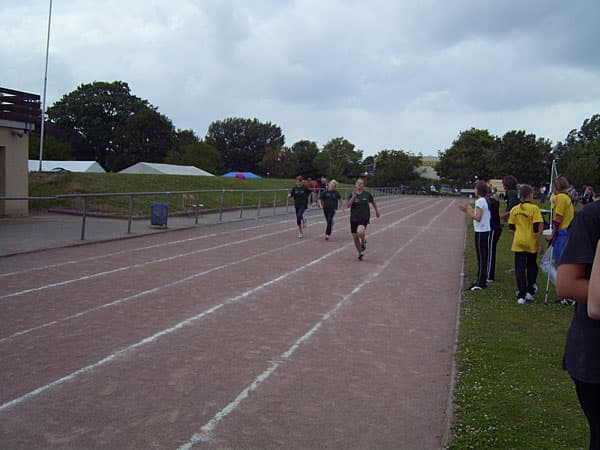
564	208
523	216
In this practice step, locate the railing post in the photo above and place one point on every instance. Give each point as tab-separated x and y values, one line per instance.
198	204
242	203
130	215
274	203
83	216
221	206
258	206
287	204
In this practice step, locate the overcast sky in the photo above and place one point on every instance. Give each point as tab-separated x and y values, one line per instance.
384	74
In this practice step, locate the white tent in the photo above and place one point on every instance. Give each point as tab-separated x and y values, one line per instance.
65	166
165	169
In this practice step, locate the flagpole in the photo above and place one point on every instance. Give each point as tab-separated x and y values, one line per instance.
44	94
553	174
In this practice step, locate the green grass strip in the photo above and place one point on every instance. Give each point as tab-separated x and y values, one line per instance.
511	390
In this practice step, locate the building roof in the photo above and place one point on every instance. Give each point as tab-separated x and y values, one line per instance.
65	166
165	169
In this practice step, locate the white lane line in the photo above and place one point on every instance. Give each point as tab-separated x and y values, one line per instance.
137	249
149	247
132	297
206	433
188	321
146	292
139	265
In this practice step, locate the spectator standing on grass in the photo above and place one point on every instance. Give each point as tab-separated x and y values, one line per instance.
562	216
588	195
481	224
581	358
511	195
526	223
360	215
301	195
495	232
328	202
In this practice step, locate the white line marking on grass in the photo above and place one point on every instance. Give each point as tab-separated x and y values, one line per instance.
206	433
186	322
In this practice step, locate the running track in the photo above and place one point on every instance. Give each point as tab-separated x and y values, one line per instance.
236	336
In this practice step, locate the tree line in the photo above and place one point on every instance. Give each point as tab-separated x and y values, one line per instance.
105	122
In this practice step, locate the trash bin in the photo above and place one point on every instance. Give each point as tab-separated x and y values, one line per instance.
158	213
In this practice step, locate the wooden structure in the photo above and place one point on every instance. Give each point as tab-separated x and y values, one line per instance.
19	114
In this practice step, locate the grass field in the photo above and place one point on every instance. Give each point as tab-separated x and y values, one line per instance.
52	184
511	391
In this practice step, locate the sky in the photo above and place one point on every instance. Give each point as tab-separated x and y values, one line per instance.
383	74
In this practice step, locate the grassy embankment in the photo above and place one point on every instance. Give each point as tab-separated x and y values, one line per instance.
52	184
511	390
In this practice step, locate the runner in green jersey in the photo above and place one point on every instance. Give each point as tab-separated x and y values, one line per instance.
360	215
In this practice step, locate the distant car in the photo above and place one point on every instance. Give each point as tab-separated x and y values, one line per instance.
59	169
446	190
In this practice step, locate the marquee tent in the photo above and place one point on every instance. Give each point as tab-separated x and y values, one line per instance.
242	175
65	166
165	169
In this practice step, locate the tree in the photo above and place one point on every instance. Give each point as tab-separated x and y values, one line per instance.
339	160
579	156
190	150
305	153
467	158
242	143
144	136
97	117
521	155
279	163
394	167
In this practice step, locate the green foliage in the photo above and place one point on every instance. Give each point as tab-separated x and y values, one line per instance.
511	390
243	143
468	157
189	150
523	156
394	167
54	148
106	123
339	160
579	157
305	153
279	163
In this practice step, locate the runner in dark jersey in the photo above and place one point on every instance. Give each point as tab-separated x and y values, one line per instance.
360	215
301	195
328	202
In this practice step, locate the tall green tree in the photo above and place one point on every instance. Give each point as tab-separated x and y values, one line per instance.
305	153
96	118
468	157
146	136
189	150
279	163
242	143
522	155
579	156
339	160
395	167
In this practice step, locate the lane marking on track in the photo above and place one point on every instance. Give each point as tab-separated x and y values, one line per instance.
137	295
149	247
151	339
206	433
139	265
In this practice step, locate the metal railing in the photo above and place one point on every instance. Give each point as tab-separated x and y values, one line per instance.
249	203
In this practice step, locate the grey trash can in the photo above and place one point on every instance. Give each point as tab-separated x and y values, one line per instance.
158	213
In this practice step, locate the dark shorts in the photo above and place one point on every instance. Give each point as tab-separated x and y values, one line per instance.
354	225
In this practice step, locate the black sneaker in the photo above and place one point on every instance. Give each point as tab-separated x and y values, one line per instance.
363	245
360	256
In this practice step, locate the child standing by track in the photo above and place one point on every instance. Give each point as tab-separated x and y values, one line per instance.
526	223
